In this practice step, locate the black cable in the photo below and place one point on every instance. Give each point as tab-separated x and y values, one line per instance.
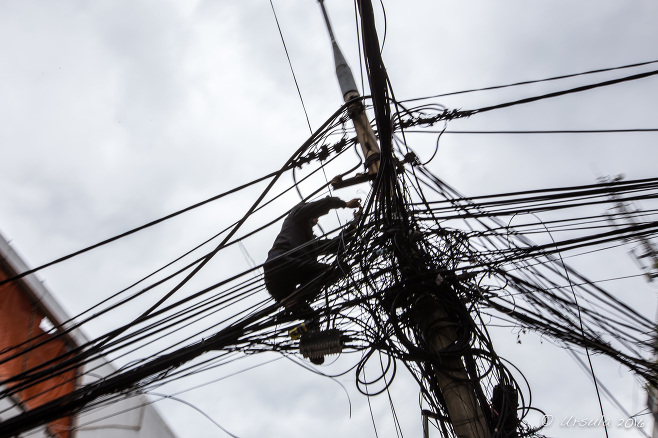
445	114
582	330
401	252
140	228
223	429
166	309
299	92
556	131
559	93
535	81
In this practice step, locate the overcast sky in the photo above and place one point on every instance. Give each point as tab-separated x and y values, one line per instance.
115	113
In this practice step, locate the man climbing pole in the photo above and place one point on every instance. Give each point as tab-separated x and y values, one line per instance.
292	261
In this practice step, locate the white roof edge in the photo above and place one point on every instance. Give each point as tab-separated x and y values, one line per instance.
38	292
54	311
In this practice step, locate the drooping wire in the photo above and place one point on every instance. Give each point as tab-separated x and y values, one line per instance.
291	68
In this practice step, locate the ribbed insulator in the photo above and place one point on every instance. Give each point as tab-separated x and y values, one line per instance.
321	343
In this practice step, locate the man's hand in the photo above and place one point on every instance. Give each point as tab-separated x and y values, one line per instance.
353	203
357	214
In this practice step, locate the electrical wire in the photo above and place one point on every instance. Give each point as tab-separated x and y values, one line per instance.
299	92
413	265
535	81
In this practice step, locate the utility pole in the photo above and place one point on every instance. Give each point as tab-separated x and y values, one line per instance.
364	132
461	394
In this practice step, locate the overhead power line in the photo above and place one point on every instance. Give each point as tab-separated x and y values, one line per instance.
428	115
363	303
299	92
565	92
141	227
535	81
546	131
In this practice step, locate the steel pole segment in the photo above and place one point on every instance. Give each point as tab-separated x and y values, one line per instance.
364	132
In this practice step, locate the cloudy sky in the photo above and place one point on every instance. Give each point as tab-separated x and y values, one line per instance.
115	113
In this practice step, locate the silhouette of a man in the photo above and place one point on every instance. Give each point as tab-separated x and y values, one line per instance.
292	261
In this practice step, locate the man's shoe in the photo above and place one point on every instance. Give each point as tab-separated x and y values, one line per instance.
312	324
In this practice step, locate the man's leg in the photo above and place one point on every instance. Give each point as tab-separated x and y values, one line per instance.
280	282
312	277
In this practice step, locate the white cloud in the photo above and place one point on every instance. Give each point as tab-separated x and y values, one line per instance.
118	112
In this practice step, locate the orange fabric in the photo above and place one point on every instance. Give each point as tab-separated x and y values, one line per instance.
19	322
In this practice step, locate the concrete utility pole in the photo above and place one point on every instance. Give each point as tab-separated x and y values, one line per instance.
457	388
364	132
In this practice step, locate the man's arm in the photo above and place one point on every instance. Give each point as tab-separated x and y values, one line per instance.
331	246
319	208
